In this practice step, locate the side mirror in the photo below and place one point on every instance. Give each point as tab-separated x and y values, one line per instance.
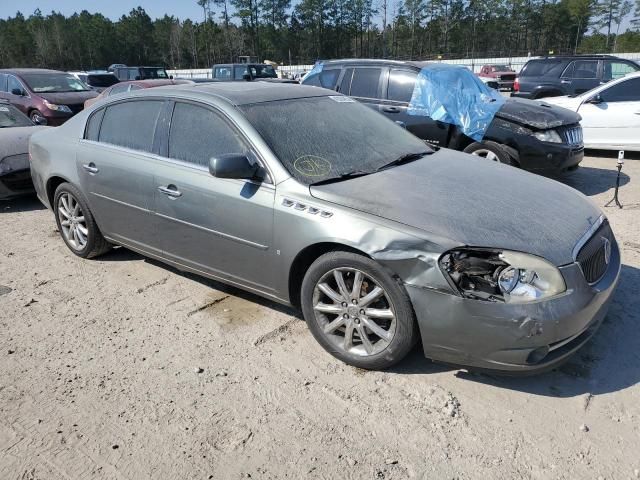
137	77
595	99
170	77
235	165
18	91
246	77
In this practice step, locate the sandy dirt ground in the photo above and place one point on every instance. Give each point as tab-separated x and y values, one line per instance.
123	368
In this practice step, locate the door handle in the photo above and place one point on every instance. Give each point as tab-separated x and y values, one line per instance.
170	190
91	168
391	109
565	81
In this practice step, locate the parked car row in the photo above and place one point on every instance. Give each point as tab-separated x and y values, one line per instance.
524	133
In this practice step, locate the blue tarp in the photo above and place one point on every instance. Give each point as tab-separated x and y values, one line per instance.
453	94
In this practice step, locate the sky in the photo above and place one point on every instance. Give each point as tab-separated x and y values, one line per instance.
113	9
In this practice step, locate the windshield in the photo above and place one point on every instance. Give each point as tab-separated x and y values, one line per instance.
149	72
102	80
10	116
323	138
54	83
501	68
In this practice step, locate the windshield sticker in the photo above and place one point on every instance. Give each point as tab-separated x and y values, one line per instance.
4	109
341	99
312	166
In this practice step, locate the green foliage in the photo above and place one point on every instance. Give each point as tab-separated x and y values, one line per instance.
307	30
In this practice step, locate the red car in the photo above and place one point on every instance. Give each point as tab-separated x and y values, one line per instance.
124	87
503	75
47	97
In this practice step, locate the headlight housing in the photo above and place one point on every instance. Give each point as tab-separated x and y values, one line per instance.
501	275
56	107
550	136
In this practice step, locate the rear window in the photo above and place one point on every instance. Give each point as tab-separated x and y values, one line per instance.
540	68
131	124
102	81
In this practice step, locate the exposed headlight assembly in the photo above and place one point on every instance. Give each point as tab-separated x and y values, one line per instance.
501	276
57	108
550	136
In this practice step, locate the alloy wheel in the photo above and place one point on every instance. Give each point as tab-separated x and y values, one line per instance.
72	222
488	154
354	312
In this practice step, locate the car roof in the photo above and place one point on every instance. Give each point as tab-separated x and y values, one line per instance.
21	71
245	93
378	61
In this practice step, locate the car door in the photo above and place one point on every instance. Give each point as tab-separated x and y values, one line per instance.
580	76
399	90
613	119
221	227
115	163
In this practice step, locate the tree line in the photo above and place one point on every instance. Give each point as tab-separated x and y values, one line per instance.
307	30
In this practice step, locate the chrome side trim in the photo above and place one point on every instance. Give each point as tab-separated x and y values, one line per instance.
587	236
215	232
119	202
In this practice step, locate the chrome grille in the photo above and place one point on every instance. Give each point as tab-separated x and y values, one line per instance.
572	135
595	255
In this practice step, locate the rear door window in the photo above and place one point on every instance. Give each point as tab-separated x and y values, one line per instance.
223	73
627	91
197	134
3	82
131	124
345	84
401	83
132	74
239	71
585	69
365	82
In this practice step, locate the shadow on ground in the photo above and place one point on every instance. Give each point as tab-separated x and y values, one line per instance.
120	254
21	204
592	181
608	363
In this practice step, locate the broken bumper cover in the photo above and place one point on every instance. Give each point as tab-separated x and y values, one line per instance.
514	338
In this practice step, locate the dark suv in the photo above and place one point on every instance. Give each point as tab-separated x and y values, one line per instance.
571	75
238	72
536	137
125	73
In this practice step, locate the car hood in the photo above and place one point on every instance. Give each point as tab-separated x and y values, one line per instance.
474	202
539	115
15	140
571	103
68	98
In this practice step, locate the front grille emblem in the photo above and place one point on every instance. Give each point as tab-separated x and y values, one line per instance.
607	250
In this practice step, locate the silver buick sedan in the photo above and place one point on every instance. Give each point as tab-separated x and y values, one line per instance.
308	198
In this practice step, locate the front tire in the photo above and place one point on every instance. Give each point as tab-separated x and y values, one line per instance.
358	311
76	224
490	150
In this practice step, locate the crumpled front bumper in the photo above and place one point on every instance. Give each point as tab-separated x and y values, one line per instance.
527	338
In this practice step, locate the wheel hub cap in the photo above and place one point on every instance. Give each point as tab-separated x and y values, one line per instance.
354	312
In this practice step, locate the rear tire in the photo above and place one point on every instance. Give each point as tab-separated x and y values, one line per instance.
490	150
369	322
76	224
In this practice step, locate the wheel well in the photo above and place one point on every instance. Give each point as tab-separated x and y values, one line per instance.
303	261
52	184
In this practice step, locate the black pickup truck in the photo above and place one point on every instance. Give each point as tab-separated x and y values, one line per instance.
534	136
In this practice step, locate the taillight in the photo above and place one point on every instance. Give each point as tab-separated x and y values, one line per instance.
516	85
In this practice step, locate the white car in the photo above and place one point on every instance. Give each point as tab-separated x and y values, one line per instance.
610	113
